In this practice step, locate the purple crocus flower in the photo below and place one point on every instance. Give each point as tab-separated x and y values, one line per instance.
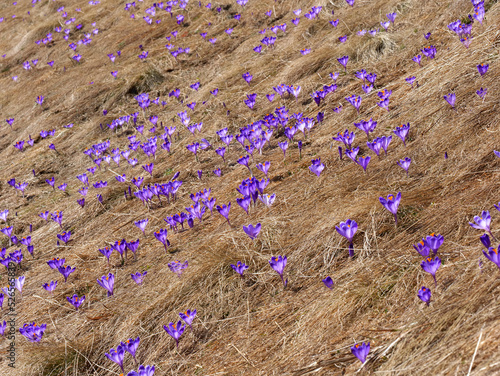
50	286
252	231
117	356
392	204
138	277
64	237
224	211
278	264
485	239
66	270
19	283
76	301
133	246
264	167
244	203
188	317
493	256
450	98
55	263
177	267
355	101
425	295
239	268
316	166
108	283
434	241
361	351
391	17
247	77
106	252
402	131
350	2
405	164
33	332
141	224
363	161
175	331
348	229
482	93
482	68
143	370
7	231
343	60
431	266
483	222
422	248
161	236
131	346
244	161
149	168
417	59
328	282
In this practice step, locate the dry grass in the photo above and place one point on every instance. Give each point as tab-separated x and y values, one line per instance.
252	326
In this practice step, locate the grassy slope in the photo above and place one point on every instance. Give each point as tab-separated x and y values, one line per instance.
252	326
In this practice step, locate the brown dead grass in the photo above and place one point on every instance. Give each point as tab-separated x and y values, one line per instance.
252	326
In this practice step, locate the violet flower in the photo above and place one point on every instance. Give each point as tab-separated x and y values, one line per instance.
422	248
402	131
33	332
252	231
117	355
483	222
66	270
424	295
363	162
108	283
131	346
392	204
161	236
450	98
343	60
361	351
239	268
405	164
141	224
264	167
175	331
177	267
50	286
482	69
64	237
433	242
188	317
493	256
328	282
76	301
348	229
224	211
278	264
316	166
138	277
431	266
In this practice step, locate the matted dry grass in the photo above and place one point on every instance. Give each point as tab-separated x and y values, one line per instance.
252	326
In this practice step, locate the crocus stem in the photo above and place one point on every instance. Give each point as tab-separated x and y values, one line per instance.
396	220
493	236
351	250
